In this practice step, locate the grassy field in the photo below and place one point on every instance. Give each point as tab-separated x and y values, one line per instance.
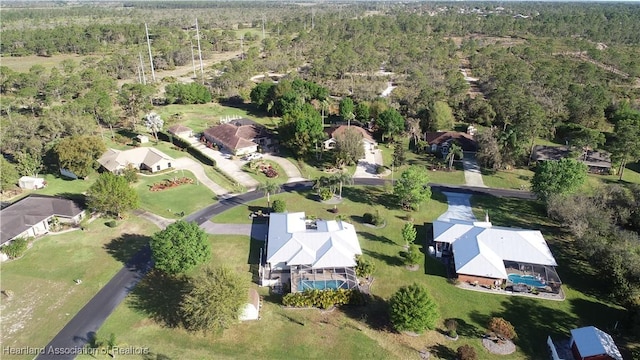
170	203
24	63
146	319
45	296
508	179
201	117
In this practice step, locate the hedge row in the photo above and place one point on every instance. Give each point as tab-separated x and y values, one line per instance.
323	299
179	142
15	248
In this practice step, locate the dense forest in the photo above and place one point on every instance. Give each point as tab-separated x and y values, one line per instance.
559	71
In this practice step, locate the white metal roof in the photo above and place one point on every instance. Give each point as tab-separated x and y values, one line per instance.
480	248
592	341
332	244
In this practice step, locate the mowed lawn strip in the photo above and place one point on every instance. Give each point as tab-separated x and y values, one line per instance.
45	296
172	202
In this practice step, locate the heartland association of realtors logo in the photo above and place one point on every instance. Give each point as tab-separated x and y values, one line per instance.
50	350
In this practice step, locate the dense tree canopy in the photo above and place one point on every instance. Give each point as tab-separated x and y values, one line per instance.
180	247
8	175
390	123
79	154
411	188
558	177
301	130
214	300
192	93
111	194
349	148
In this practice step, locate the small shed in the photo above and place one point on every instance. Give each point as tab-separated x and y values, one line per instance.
31	183
143	139
251	310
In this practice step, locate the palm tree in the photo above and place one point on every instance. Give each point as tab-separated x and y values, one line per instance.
341	178
269	187
454	150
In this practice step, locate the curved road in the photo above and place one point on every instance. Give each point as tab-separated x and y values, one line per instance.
73	337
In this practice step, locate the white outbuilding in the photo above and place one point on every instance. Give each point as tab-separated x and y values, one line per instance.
31	183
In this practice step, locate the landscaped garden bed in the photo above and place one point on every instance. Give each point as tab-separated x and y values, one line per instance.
170	183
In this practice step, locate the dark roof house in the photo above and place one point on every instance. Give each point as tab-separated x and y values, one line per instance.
29	216
597	161
440	138
238	136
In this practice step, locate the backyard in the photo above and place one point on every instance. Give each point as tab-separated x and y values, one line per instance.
358	332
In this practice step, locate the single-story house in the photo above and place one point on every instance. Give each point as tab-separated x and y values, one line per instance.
142	158
31	216
492	255
251	310
311	254
586	343
441	141
31	183
598	162
367	140
239	136
180	131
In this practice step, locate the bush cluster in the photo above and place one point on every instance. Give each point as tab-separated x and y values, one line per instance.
279	206
111	223
16	248
325	194
323	299
373	219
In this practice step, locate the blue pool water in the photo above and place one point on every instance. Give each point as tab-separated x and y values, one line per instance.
526	279
321	285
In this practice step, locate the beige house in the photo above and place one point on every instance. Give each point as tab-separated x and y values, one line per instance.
180	131
142	158
239	136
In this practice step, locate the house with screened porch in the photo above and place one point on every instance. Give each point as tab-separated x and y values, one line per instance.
303	253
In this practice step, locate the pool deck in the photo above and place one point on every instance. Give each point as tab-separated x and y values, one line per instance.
542	295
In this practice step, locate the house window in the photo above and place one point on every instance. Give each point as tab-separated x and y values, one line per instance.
168	165
158	167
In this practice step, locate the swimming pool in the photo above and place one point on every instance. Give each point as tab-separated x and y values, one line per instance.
322	284
527	280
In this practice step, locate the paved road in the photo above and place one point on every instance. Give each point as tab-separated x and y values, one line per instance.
72	338
87	322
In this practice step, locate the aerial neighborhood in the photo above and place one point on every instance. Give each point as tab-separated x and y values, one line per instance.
278	180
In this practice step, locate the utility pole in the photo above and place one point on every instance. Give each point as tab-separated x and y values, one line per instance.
313	16
144	77
193	60
199	50
263	20
242	46
153	72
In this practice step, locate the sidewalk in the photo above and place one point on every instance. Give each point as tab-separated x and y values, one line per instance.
158	220
228	166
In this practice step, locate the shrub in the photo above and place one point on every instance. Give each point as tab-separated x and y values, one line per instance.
130	173
325	194
364	267
367	218
451	324
279	206
323	298
413	309
452	334
466	352
412	255
15	248
502	328
111	223
380	169
378	220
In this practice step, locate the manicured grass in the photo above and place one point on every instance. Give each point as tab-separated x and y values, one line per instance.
58	186
260	177
508	179
45	296
202	116
170	203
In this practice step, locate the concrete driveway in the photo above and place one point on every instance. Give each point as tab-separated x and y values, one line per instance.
293	174
256	231
367	167
459	207
185	163
233	168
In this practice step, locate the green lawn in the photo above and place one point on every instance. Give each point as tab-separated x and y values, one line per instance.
45	296
508	179
260	177
203	116
170	203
